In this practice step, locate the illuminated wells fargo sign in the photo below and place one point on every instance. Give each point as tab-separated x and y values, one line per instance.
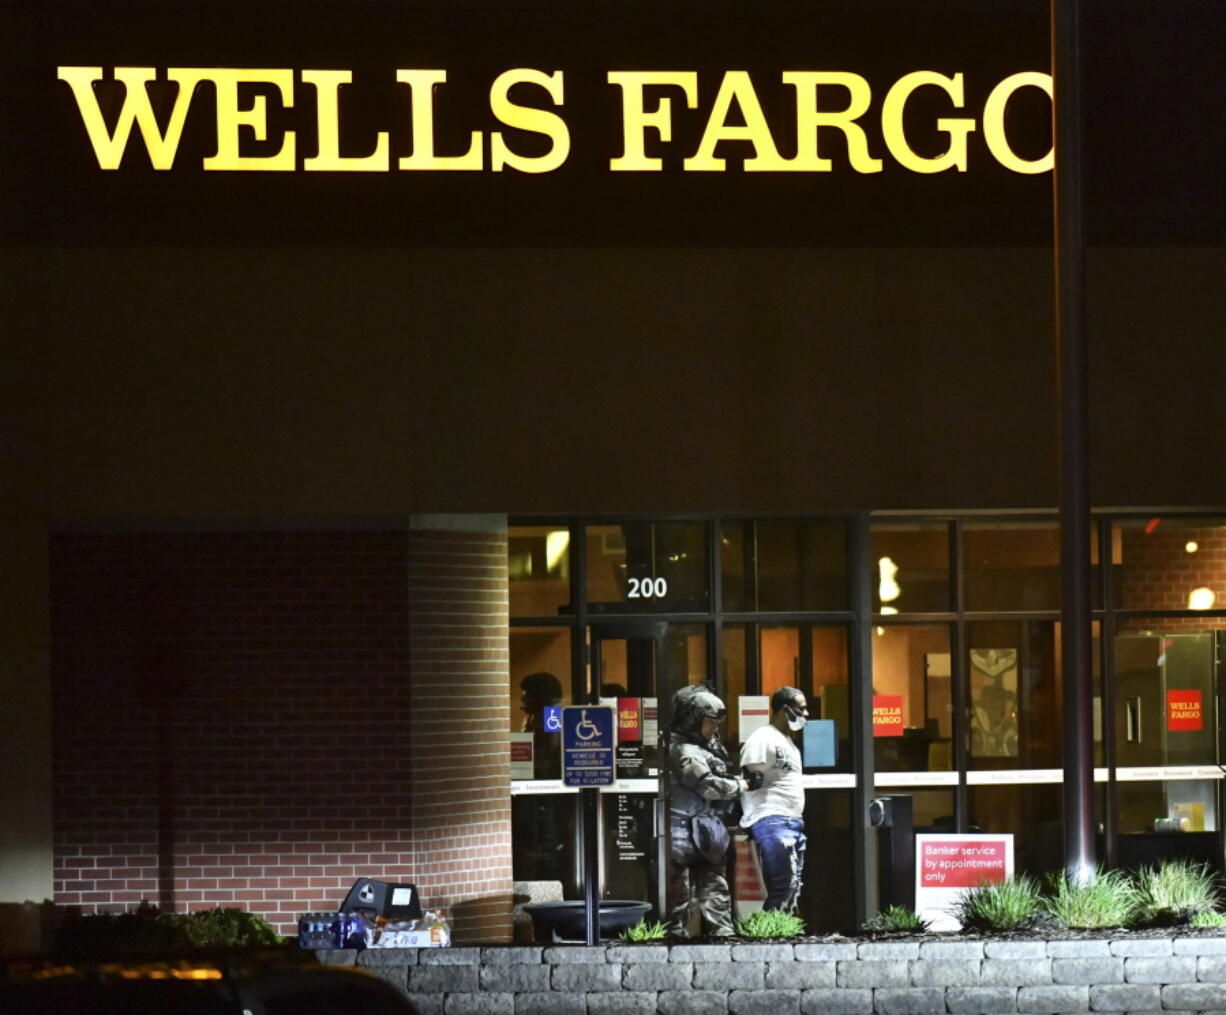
528	131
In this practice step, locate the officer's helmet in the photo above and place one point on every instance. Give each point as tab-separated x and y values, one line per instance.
693	704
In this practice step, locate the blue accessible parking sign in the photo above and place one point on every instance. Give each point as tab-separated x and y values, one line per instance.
587	745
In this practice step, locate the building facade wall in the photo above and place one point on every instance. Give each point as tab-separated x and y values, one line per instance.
459	698
232	720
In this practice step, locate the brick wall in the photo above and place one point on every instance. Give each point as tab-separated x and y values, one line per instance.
460	696
232	723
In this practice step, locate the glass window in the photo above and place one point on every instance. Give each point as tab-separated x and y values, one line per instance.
1032	814
642	567
538	570
736	566
910	568
932	810
544	833
647	661
733	677
814	659
540	679
912	702
1169	563
1015	566
1014	694
1165	715
783	566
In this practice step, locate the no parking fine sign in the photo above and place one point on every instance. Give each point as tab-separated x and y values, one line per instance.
587	745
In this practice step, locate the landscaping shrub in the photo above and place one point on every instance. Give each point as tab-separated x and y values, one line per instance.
1110	900
222	928
146	932
1009	905
896	920
645	931
1174	891
771	923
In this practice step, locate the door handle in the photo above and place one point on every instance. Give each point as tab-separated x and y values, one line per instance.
1132	719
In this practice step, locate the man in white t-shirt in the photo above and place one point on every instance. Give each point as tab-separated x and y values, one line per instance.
773	812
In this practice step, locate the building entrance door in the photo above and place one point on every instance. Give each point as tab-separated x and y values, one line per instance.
1167	751
637	667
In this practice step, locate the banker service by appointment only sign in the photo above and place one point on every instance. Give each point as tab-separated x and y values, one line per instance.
948	865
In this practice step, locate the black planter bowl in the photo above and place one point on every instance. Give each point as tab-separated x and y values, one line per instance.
567	921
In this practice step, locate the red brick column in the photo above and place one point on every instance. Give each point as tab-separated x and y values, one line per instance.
231	718
459	699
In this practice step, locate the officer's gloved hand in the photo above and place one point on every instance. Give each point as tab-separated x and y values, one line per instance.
752	778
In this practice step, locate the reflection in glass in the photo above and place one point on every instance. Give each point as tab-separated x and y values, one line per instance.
1159	563
640	567
918	566
540	679
538	570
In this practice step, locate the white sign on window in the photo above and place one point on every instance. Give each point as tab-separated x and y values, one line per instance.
754	712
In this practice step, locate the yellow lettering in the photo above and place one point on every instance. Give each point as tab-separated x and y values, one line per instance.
230	118
994	123
538	121
109	145
421	89
809	120
327	85
637	120
895	135
736	85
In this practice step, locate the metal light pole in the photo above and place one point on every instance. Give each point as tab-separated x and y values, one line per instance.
1076	642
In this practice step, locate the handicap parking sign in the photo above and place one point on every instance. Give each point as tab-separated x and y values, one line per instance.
587	745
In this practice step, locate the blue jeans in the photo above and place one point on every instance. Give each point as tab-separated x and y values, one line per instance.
781	852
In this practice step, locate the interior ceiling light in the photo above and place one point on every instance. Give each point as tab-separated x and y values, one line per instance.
1191	546
556	545
889	610
887	587
1201	598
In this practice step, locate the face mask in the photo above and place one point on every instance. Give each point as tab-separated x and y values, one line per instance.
796	719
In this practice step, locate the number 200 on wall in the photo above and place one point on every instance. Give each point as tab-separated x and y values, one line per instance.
647	588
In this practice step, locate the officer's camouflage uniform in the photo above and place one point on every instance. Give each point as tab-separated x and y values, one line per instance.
701	787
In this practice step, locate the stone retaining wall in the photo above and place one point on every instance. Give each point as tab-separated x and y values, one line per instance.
1141	974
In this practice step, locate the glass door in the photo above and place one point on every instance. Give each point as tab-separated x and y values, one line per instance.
1166	747
637	667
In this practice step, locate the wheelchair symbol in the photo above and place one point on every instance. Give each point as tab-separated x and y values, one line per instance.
553	720
585	729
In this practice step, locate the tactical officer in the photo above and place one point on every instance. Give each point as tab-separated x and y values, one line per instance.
702	789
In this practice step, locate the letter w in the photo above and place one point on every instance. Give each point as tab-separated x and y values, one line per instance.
109	147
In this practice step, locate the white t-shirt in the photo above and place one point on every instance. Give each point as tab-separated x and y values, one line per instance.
782	792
